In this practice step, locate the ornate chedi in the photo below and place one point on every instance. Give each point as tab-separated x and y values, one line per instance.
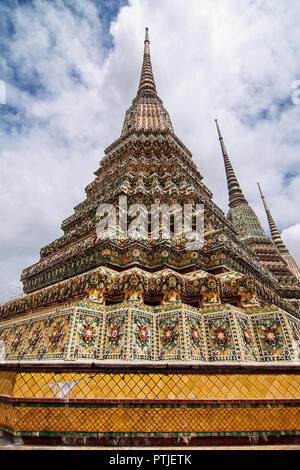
271	253
144	340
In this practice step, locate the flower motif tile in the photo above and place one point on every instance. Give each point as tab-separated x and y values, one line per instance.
195	337
247	338
222	337
133	330
141	336
57	335
16	346
87	335
170	337
116	335
272	337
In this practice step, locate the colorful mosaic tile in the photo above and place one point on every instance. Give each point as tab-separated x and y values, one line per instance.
34	341
142	335
221	337
86	338
247	337
17	348
194	324
153	385
272	337
170	343
295	332
116	335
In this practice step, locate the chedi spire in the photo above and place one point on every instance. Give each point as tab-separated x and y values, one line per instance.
146	112
276	237
240	213
236	197
147	83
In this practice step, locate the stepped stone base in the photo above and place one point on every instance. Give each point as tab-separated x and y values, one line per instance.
90	404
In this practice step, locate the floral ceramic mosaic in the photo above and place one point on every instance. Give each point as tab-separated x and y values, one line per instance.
195	336
142	327
273	338
86	337
122	339
133	331
170	343
247	337
116	334
222	337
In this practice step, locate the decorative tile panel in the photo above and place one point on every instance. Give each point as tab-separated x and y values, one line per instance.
142	335
86	338
116	335
170	342
195	336
34	347
5	338
247	337
221	337
272	337
16	349
57	334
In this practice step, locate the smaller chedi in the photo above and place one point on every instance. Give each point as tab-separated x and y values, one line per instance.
145	340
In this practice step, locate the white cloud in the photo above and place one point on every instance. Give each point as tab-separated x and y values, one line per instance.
291	237
232	60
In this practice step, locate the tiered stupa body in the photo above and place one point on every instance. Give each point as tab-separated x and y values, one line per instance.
144	340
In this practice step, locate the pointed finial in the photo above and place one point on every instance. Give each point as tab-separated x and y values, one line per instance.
147	83
236	197
218	129
262	196
273	229
147	111
276	237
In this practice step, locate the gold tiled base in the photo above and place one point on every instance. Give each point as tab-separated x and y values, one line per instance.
163	386
148	403
152	420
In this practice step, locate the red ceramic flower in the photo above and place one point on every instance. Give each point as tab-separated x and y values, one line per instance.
169	334
195	335
88	334
115	334
220	335
143	334
271	336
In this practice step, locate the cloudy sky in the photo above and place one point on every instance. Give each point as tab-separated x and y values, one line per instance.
71	69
